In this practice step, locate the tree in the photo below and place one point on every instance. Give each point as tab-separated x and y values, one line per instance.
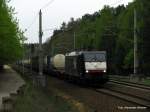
10	47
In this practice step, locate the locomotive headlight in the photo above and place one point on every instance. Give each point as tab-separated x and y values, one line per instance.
104	71
87	71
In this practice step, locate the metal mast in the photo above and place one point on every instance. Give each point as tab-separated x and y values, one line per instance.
41	77
74	39
135	45
40	44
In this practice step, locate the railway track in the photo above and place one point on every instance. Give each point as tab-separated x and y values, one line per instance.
128	91
127	83
126	97
127	79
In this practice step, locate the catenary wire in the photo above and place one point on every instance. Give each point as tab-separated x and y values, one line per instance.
46	5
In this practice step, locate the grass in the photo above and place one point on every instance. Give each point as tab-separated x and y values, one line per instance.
37	100
146	81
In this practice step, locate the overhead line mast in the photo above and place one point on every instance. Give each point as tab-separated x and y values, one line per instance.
40	44
41	77
135	45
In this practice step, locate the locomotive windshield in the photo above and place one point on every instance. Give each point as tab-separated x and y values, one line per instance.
94	57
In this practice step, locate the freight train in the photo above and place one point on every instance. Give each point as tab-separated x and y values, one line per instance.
84	66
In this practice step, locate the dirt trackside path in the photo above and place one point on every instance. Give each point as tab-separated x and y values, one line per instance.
10	81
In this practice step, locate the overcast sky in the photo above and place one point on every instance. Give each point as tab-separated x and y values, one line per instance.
55	13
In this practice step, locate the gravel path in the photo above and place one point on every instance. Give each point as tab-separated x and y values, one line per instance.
10	81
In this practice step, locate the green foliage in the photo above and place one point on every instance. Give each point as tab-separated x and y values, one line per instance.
10	48
128	61
125	38
144	35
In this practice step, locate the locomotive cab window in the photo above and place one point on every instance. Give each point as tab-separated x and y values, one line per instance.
93	57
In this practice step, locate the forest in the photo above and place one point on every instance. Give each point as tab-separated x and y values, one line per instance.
112	30
10	35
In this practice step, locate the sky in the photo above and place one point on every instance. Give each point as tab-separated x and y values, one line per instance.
54	12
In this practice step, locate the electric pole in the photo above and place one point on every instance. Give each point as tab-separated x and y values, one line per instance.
23	53
41	77
23	43
40	44
74	39
135	45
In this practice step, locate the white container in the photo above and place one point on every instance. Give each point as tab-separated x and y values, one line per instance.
58	61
